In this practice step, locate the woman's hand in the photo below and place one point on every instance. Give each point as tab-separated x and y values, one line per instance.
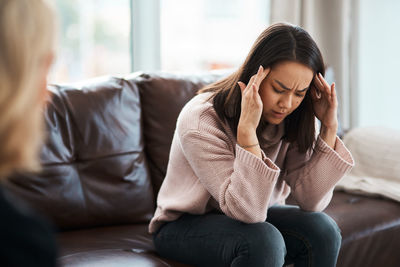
325	106
251	111
252	106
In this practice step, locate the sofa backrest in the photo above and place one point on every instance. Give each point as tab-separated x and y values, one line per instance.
163	95
94	168
107	148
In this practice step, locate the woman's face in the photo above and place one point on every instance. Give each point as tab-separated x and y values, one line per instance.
283	90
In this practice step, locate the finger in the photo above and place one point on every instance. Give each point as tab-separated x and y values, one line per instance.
315	93
261	75
242	86
317	81
316	87
320	86
333	93
326	86
264	75
251	82
256	76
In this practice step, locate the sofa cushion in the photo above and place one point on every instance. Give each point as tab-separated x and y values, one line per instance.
370	228
94	168
163	95
126	245
376	151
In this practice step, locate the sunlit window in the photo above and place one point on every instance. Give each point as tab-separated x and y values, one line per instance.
93	39
209	34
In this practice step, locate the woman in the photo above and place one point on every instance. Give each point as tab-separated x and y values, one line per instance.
26	53
240	147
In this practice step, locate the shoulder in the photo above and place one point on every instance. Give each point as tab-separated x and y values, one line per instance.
199	121
197	113
19	225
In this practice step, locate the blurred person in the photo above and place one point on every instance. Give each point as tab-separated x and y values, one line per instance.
240	147
26	52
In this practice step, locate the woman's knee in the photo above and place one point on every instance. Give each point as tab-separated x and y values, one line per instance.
325	230
265	243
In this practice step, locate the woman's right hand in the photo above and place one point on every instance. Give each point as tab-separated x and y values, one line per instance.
252	106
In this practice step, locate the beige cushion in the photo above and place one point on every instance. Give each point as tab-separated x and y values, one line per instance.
376	153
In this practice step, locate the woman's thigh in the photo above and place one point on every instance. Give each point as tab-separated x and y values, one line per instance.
214	239
311	238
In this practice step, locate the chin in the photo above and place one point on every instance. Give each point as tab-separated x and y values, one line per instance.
274	121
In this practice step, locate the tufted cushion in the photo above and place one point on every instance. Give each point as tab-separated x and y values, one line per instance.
376	152
94	170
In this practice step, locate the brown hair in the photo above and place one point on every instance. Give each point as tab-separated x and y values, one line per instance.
279	42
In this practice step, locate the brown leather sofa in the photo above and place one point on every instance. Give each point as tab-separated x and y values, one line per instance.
105	158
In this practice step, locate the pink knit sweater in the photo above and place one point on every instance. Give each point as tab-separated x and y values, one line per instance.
208	170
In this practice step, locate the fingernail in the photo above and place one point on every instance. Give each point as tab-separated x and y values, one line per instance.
260	68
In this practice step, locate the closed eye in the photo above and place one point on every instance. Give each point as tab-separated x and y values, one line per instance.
277	91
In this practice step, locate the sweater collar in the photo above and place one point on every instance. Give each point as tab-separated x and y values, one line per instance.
272	134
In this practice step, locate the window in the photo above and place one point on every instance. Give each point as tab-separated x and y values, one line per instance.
185	35
204	35
94	39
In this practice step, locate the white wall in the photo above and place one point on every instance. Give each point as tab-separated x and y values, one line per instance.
379	63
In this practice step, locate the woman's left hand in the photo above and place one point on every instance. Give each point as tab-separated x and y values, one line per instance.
324	102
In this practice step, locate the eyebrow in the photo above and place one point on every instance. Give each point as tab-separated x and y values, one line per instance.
287	88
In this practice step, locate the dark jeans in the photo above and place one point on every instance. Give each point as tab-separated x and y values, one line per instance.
289	235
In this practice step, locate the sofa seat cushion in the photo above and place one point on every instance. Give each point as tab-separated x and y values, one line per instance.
370	229
111	257
124	245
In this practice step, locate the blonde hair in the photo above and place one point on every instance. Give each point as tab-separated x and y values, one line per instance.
27	33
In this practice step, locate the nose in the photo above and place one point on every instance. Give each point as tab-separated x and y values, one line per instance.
285	102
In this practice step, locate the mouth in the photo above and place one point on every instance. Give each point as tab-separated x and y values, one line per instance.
278	114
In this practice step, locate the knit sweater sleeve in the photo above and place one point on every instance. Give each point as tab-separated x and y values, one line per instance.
313	176
241	182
